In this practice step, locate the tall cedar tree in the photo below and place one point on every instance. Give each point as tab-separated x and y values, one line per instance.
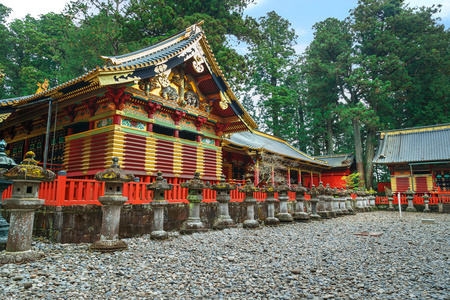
271	58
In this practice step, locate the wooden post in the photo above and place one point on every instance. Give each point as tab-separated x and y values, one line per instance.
61	188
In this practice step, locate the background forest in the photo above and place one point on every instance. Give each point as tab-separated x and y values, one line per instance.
386	66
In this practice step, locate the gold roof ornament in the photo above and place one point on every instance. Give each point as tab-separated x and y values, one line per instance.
42	86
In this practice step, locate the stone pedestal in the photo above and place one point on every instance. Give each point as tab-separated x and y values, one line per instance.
4	226
158	221
223	190
410	198
6	163
109	233
24	201
324	207
270	220
360	200
299	214
426	201
314	216
283	215
249	189
112	203
195	188
391	201
159	188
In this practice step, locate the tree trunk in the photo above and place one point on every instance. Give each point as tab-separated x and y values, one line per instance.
275	111
358	147
370	152
330	136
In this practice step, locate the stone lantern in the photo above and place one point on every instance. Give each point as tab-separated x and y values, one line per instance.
195	188
342	202
336	208
249	189
283	215
391	201
410	198
6	163
270	190
223	190
321	197
372	198
349	200
26	178
300	214
313	192
329	201
359	199
112	202
159	188
426	201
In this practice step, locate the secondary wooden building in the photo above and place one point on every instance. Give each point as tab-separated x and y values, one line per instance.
417	157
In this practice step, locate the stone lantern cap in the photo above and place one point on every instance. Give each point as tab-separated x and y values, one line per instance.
249	187
222	185
328	190
114	174
5	161
29	170
313	191
269	188
159	184
409	193
299	189
283	187
321	189
425	197
361	192
195	183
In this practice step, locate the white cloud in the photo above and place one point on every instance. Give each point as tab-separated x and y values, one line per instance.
33	7
300	48
445	10
256	4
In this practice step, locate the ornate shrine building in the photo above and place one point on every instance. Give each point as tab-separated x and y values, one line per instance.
242	155
418	155
164	107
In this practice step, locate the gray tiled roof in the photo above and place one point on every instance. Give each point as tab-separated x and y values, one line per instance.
337	160
414	145
259	141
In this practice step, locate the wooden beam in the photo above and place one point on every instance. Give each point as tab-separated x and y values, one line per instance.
201	78
213	96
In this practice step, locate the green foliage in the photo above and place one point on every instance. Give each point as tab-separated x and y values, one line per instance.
353	181
271	58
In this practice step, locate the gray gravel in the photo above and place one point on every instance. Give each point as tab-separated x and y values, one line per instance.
321	260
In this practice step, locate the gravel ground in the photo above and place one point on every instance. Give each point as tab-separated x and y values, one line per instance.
320	260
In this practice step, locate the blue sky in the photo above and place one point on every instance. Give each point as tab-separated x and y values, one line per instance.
302	14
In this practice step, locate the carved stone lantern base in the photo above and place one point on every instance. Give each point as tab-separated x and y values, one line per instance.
159	233
192	227
271	221
301	217
411	209
20	257
284	217
224	222
108	246
250	224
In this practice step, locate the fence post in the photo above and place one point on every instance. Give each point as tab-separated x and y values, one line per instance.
60	188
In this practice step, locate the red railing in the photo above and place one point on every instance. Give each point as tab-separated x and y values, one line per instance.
434	200
65	191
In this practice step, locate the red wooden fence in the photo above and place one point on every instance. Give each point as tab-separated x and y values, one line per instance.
64	191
